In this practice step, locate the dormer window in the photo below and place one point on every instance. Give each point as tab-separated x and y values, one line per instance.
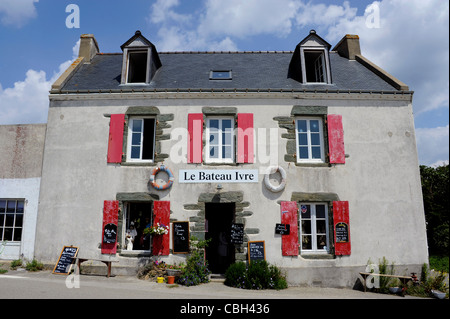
137	67
140	61
310	63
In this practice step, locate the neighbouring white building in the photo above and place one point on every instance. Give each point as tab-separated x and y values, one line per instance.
310	153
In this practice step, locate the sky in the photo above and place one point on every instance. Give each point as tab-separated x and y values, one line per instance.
408	38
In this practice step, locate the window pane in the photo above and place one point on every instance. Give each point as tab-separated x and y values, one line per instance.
301	126
226	125
226	138
306	227
137	125
315	152
7	234
213	152
148	139
305	211
9	220
303	152
19	208
2	206
226	152
321	226
321	241
2	219
135	152
136	139
11	207
302	139
306	242
214	125
315	139
19	220
314	126
320	211
17	234
214	139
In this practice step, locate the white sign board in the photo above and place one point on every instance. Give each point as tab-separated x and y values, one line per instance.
218	176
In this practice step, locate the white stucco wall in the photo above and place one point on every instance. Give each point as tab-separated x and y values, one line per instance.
380	179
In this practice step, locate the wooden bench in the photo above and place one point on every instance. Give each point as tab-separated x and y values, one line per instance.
80	260
403	279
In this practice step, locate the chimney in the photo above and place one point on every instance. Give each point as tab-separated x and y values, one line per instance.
348	47
88	47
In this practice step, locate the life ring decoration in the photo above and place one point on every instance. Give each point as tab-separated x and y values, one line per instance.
282	185
155	172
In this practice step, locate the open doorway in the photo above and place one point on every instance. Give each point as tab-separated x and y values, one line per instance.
138	216
220	251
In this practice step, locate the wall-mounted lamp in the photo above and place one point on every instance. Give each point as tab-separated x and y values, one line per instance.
219	187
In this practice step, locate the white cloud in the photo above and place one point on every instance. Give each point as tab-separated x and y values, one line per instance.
17	12
27	101
433	145
241	19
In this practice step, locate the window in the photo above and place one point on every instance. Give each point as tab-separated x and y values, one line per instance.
315	66
220	140
220	75
314	227
137	67
141	140
137	217
310	144
11	219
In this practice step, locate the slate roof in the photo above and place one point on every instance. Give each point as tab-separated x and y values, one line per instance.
250	70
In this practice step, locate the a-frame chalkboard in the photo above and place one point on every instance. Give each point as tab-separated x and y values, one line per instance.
65	260
256	251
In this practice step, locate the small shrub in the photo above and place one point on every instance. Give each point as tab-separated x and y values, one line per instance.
258	275
195	272
34	265
16	264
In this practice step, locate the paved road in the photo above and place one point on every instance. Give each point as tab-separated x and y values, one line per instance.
45	285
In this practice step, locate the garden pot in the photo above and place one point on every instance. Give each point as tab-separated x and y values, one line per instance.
173	272
160	280
438	294
170	280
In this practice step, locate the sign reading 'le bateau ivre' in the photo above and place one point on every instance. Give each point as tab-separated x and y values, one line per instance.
218	176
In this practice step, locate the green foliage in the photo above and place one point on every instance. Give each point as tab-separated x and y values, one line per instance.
439	263
258	275
435	189
16	264
196	270
428	283
34	265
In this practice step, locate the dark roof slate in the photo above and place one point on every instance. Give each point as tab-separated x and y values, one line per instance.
250	70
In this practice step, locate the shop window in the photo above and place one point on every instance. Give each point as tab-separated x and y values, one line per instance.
11	219
141	140
310	142
137	217
220	140
314	236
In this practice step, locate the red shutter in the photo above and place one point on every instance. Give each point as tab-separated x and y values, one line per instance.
115	143
245	138
161	215
195	129
341	220
289	215
336	139
110	216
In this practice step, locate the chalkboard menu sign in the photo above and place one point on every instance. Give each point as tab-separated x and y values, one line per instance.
237	234
110	234
256	251
65	260
341	230
283	229
180	237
